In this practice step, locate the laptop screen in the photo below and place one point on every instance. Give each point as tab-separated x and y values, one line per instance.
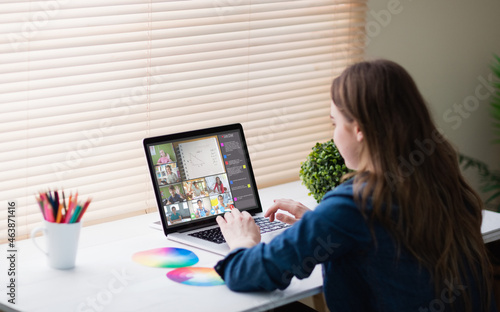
200	174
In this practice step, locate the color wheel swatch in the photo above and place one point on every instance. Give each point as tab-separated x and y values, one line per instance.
166	257
196	276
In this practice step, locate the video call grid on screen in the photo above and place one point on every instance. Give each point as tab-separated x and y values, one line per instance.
202	177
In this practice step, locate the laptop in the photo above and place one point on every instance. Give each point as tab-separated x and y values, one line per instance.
198	175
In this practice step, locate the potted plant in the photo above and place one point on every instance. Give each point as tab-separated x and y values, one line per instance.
322	170
489	179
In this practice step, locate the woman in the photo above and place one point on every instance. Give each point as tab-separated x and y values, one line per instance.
402	234
219	187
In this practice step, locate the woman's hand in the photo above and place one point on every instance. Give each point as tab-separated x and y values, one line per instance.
295	208
239	229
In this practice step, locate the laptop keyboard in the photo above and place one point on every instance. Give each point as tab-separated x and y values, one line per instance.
214	235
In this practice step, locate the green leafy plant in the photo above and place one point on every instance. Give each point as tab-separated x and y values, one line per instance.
489	179
495	100
323	169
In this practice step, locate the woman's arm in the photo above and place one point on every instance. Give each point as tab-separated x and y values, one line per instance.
333	229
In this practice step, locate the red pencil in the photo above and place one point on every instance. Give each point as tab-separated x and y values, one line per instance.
83	210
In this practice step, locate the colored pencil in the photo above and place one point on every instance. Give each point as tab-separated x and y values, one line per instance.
83	210
75	214
59	214
64	203
40	204
56	204
48	213
53	210
69	211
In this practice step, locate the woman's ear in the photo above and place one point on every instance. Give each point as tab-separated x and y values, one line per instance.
359	134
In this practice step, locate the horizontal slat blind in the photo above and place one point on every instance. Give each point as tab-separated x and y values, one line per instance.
83	82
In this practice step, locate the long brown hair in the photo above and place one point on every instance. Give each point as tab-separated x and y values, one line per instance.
415	168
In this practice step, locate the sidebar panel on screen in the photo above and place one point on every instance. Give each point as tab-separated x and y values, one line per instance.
236	165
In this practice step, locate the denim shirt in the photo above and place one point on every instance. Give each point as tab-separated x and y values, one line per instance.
358	274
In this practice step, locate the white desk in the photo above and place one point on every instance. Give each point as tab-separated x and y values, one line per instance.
106	278
491	226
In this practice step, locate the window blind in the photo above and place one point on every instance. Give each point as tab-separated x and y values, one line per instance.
83	82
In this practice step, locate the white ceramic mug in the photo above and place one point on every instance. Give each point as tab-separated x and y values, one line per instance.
61	242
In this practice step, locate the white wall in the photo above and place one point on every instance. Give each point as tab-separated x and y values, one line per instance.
447	47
